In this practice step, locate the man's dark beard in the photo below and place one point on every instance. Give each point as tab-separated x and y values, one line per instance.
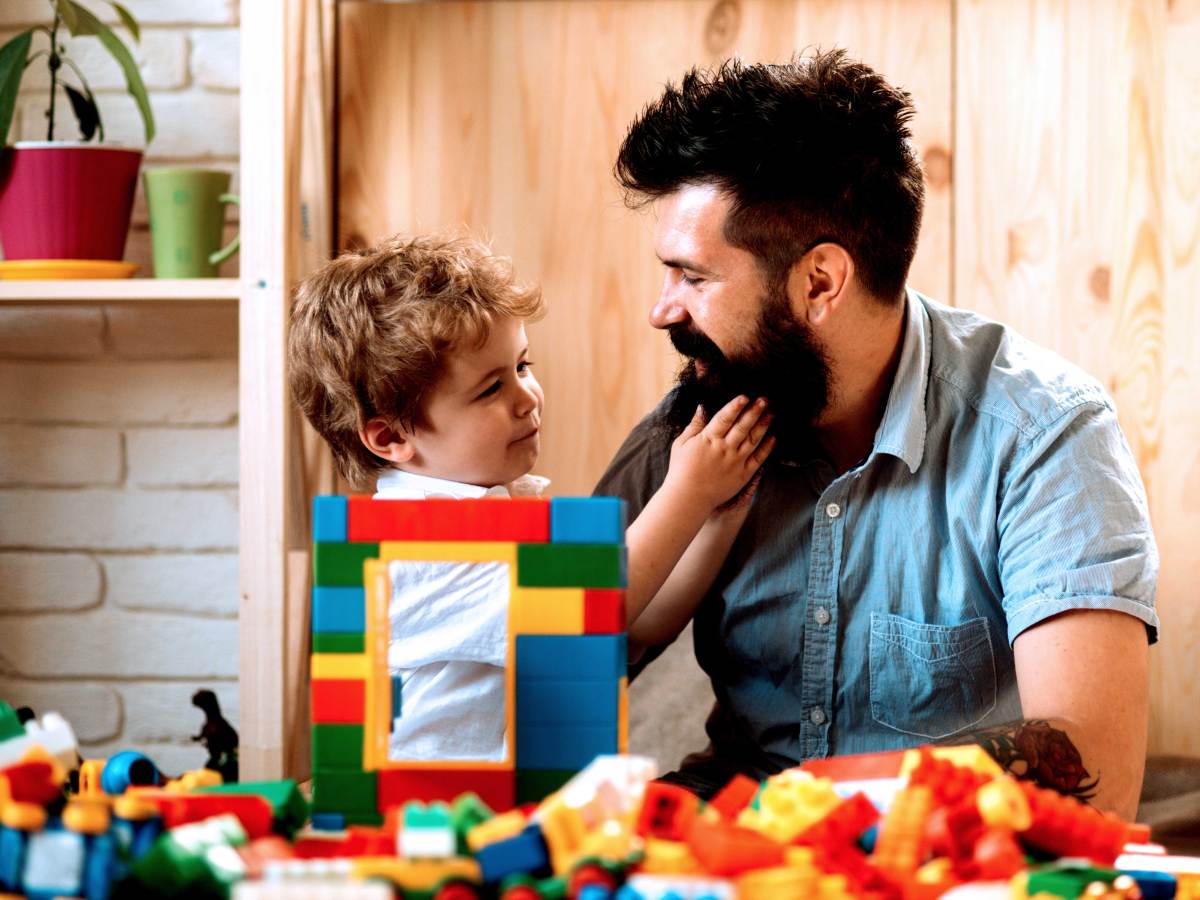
786	366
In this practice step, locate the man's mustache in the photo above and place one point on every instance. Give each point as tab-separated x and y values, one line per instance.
694	344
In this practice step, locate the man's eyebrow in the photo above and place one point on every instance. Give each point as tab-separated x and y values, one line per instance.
685	264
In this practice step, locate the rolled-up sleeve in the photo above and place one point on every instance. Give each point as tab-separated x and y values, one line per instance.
1074	526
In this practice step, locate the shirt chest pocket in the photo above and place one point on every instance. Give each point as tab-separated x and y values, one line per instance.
930	680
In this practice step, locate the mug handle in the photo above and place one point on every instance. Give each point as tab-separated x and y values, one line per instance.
215	259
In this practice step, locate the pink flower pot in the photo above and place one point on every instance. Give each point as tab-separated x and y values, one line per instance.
61	200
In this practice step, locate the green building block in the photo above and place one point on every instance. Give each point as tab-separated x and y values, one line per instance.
354	794
337	747
10	725
571	565
535	785
467	811
1067	879
288	806
338	642
341	565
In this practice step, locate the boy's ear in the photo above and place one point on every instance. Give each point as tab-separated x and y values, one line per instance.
386	440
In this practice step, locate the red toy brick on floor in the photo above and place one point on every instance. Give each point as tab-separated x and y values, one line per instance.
842	825
496	788
735	796
516	520
253	811
667	812
727	850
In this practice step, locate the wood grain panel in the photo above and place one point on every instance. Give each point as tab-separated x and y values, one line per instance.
1076	222
506	117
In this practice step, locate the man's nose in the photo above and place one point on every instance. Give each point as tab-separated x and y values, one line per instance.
668	309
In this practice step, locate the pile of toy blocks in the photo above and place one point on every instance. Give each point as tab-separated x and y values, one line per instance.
566	626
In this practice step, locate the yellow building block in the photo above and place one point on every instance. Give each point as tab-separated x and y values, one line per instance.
623	715
450	551
340	665
789	803
498	828
968	756
546	611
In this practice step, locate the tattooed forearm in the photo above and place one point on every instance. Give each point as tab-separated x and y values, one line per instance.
1035	750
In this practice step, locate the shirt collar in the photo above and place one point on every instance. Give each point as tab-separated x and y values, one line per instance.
901	433
396	484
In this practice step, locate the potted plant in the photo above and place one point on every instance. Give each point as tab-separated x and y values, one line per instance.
67	200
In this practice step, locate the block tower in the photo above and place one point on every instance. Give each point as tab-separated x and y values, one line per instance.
565	679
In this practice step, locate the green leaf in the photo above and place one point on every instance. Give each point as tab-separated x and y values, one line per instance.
12	67
85	112
127	20
67	11
90	25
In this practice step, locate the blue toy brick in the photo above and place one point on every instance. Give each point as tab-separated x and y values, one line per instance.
594	892
524	854
397	696
587	520
328	822
563	746
548	702
560	657
330	515
339	610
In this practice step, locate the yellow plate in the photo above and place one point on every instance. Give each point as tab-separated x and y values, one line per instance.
48	269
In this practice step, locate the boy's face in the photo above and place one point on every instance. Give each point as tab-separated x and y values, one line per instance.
482	420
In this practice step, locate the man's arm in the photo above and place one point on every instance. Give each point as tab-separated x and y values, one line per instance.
1083	677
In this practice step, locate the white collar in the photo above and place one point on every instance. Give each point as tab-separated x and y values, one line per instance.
396	484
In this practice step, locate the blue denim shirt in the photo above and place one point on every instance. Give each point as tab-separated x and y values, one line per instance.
876	609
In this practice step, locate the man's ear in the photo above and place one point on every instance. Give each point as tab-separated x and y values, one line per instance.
387	440
818	282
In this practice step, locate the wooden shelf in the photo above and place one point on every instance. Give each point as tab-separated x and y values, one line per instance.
120	290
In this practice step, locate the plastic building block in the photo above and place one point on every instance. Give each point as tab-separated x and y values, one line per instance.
494	786
329	519
339	666
427	831
900	847
350	793
397	685
857	766
498	828
339	609
253	812
36	781
788	803
341	565
563	746
950	783
557	657
337	746
338	701
53	734
667	812
289	809
587	520
534	785
726	850
305	890
328	822
574	702
511	521
179	863
526	853
843	825
997	855
571	565
547	611
467	813
10	723
643	886
1066	827
128	768
603	611
337	642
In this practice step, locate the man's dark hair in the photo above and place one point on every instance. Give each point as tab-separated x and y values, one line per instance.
816	149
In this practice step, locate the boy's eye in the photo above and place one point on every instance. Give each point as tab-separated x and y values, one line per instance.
524	366
491	390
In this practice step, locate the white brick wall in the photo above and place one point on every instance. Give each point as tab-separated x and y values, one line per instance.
118	436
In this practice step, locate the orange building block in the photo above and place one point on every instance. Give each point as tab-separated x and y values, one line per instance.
735	796
901	847
727	850
667	812
338	701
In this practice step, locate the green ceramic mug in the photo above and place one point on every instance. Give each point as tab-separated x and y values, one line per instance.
187	217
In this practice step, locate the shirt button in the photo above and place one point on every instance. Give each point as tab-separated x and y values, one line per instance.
821	615
833	510
817	716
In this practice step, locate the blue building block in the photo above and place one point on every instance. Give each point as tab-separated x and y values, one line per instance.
129	767
397	696
563	746
328	822
587	520
559	657
524	854
548	702
340	610
330	515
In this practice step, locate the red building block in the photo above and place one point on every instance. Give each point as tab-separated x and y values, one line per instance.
727	850
841	826
253	811
496	788
516	520
1066	827
338	701
735	796
603	611
667	812
31	782
856	766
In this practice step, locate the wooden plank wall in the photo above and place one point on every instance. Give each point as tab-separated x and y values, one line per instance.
1062	152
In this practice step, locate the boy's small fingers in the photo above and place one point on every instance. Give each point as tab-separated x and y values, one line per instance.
746	420
764	450
723	420
695	426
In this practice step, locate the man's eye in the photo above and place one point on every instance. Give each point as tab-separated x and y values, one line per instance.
689	280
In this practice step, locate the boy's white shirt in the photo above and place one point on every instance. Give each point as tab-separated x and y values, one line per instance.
449	637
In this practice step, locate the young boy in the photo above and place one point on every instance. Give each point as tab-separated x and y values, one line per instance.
411	361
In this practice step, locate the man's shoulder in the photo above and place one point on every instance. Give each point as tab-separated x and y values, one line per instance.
985	365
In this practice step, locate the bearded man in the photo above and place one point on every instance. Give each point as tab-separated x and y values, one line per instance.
951	539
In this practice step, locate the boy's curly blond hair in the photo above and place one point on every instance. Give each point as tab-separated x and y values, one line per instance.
370	331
